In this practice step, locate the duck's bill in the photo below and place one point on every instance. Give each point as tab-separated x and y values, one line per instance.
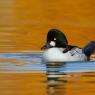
46	46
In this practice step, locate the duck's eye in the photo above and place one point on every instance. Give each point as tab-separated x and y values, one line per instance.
54	39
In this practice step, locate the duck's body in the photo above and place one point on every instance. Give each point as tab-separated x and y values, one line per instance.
56	40
56	55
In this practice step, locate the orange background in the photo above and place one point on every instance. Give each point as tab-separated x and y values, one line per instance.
25	23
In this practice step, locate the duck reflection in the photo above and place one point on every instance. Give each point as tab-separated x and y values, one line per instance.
56	85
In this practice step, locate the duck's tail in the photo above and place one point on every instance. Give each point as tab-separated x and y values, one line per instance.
89	48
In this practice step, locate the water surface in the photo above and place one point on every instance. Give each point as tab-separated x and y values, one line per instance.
28	74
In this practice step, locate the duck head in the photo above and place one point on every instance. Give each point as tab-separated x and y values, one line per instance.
89	49
55	38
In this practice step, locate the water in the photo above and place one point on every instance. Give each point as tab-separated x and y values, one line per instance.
28	74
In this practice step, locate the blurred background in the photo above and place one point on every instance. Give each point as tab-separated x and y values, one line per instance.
25	23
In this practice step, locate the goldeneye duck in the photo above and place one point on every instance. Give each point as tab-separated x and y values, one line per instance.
89	50
57	48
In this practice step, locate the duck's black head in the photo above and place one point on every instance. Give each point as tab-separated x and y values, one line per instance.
55	38
89	48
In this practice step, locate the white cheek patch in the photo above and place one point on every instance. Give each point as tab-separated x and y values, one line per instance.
52	43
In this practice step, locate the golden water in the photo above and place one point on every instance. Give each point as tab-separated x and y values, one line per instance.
25	23
34	84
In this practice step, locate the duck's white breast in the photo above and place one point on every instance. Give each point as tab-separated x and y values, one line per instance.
54	54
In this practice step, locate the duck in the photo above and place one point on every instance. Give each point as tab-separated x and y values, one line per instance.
89	50
57	49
